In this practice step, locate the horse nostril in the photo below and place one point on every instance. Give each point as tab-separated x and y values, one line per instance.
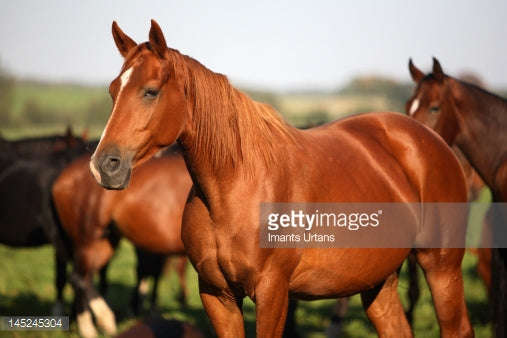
111	165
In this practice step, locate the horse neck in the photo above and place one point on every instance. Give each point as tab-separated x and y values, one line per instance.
482	118
229	136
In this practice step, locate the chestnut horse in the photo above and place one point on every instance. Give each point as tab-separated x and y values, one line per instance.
149	214
241	153
475	121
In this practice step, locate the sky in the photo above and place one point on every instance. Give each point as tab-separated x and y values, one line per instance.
271	45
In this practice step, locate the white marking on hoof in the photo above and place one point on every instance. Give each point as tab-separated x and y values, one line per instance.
103	314
85	325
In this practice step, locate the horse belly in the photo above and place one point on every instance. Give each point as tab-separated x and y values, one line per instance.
331	273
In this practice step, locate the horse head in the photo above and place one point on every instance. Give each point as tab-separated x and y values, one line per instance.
432	103
148	95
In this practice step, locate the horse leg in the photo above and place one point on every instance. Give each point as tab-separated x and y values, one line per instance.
224	311
99	254
141	287
80	283
181	266
103	280
383	307
88	259
289	330
442	269
102	312
271	305
498	297
138	295
61	280
340	309
149	264
498	291
157	272
413	288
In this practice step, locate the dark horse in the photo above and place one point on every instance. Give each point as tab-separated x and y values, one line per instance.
475	121
149	214
28	168
240	153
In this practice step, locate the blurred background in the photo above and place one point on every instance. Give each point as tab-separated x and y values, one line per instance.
314	61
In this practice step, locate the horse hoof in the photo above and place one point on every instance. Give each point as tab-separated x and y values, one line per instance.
85	325
104	315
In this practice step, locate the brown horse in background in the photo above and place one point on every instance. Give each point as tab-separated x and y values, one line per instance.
475	121
241	153
149	214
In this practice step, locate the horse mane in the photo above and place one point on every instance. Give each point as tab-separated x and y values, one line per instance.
492	105
232	128
480	89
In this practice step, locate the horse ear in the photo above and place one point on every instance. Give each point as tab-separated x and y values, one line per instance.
70	139
157	40
438	73
85	134
123	42
416	74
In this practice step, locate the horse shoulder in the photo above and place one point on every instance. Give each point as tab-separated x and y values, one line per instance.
200	240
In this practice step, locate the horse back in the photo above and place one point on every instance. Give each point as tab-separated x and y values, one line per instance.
408	161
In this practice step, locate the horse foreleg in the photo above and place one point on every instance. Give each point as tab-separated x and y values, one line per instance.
442	269
224	311
181	266
383	307
61	280
103	314
99	255
103	280
83	315
271	305
88	259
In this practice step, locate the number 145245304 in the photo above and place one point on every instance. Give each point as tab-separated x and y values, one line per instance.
34	323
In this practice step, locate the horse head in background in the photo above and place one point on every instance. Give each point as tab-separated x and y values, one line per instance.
466	116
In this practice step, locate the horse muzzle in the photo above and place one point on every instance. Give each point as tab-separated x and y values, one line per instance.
111	171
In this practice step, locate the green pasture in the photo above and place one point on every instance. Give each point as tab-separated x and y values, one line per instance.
37	109
26	288
32	108
27	275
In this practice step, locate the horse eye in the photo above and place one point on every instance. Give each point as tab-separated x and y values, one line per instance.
151	93
434	109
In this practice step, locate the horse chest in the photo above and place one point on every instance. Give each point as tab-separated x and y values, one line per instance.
219	253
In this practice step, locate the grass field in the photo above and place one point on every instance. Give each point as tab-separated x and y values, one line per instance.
27	275
38	108
26	288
